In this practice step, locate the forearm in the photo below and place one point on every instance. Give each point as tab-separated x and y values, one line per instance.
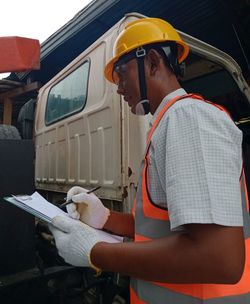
121	224
153	260
175	259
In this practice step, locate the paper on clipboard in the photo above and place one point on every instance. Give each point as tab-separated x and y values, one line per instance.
38	206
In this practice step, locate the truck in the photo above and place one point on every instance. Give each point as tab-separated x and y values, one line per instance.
85	135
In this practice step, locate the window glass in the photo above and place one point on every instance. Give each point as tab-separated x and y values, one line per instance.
68	96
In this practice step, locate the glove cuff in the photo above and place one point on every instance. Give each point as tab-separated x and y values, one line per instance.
97	269
106	215
100	219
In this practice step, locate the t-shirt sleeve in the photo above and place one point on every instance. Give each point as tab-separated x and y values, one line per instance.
203	167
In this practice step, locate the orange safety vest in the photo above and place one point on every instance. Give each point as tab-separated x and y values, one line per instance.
152	221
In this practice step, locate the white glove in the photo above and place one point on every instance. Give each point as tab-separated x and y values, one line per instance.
89	209
74	240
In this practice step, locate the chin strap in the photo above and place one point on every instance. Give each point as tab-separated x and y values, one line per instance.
143	106
169	52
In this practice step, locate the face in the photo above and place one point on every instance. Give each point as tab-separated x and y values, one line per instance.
126	78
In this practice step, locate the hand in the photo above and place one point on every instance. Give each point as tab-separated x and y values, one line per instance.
88	208
74	240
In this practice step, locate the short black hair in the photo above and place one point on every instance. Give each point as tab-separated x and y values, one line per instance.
169	53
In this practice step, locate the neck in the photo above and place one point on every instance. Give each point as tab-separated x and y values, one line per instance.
163	89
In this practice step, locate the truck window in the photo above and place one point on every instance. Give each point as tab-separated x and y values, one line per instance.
68	96
216	84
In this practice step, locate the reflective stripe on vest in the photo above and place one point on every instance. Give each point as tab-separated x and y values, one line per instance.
152	221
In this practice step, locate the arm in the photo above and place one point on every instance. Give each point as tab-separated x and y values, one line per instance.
205	253
121	224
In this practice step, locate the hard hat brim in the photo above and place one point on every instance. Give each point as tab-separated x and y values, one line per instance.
108	70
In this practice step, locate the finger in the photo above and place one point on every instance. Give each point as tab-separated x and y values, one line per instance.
72	211
75	215
75	190
82	198
51	228
56	232
63	223
72	191
71	208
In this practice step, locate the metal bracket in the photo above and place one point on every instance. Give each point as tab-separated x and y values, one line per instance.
140	52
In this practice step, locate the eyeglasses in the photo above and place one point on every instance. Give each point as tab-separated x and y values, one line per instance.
120	68
119	73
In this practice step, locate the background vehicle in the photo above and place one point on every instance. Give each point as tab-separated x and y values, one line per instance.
85	135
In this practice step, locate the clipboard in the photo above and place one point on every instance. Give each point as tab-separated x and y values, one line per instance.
38	206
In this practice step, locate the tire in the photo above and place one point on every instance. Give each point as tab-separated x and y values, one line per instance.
9	132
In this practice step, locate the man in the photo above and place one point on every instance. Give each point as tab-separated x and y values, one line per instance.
190	240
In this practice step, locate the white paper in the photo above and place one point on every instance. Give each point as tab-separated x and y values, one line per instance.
40	204
41	208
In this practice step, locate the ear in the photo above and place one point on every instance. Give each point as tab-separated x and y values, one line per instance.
153	60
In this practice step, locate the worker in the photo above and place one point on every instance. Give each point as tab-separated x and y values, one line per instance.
190	222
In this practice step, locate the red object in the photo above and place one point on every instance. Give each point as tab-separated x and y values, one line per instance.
19	54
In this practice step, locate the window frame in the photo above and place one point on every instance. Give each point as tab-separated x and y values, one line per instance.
86	61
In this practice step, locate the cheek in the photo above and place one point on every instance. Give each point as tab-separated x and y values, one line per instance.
133	84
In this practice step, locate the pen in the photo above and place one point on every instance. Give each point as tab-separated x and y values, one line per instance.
70	201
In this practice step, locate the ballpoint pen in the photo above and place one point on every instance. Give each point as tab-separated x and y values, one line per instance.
70	201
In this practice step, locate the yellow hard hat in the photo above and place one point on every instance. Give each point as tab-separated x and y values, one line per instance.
143	32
